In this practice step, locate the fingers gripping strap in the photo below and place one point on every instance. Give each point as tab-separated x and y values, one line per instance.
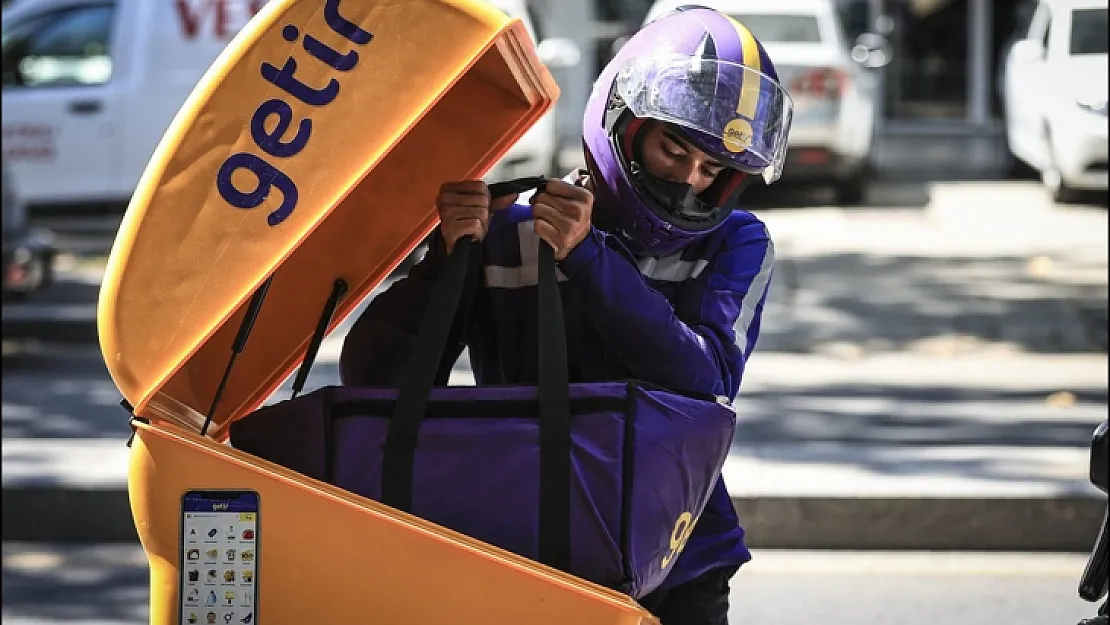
451	295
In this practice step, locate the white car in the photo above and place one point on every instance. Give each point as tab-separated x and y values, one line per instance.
1054	93
834	96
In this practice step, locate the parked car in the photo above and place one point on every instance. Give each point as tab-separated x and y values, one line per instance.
90	87
1055	92
28	252
834	96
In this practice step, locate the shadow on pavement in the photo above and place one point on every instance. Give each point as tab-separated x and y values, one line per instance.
77	586
850	414
978	434
68	395
930	305
886	303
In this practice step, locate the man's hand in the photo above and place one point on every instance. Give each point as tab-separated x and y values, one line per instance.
464	209
562	213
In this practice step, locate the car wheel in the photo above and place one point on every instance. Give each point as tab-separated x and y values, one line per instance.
1051	177
1059	190
853	189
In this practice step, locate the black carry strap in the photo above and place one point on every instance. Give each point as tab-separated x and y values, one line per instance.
554	396
448	298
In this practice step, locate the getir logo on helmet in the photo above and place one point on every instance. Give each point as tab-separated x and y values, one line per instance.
737	135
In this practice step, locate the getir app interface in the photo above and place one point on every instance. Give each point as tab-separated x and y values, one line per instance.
220	558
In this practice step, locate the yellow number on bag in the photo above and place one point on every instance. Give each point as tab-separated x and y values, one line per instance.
683	527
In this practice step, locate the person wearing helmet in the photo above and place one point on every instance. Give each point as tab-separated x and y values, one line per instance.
663	277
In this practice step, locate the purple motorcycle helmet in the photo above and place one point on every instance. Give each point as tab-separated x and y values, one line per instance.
705	75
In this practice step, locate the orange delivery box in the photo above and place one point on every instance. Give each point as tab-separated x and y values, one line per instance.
311	152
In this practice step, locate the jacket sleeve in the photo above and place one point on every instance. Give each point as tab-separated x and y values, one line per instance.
692	346
377	348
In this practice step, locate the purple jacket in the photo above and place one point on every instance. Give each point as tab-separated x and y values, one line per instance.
687	322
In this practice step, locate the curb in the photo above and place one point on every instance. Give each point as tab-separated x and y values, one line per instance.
1061	524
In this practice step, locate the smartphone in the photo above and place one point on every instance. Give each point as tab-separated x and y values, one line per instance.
219	557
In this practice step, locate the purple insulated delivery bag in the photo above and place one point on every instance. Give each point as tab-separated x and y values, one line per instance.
602	480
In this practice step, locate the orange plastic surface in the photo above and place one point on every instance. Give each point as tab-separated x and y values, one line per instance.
328	557
441	90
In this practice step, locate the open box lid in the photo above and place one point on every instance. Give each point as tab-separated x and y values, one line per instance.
312	150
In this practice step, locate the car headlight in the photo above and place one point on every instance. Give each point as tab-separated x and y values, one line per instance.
1092	105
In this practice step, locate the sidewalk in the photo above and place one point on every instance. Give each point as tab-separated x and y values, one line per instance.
928	377
890	452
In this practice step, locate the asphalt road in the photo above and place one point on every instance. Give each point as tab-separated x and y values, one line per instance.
107	585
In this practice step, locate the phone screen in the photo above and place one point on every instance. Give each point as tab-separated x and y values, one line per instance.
219	557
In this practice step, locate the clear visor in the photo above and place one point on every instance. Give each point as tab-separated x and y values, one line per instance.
737	113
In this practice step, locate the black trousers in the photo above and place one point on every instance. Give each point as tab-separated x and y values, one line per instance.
700	601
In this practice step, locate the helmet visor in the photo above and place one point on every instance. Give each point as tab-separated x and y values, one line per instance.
743	114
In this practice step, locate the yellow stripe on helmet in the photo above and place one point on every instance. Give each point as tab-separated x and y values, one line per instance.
749	92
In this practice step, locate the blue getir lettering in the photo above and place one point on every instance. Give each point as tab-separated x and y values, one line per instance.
273	141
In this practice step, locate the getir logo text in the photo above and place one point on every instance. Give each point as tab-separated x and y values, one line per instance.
270	136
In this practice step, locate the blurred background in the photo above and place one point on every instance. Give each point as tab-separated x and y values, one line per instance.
914	426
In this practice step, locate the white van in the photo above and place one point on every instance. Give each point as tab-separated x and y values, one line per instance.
90	86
